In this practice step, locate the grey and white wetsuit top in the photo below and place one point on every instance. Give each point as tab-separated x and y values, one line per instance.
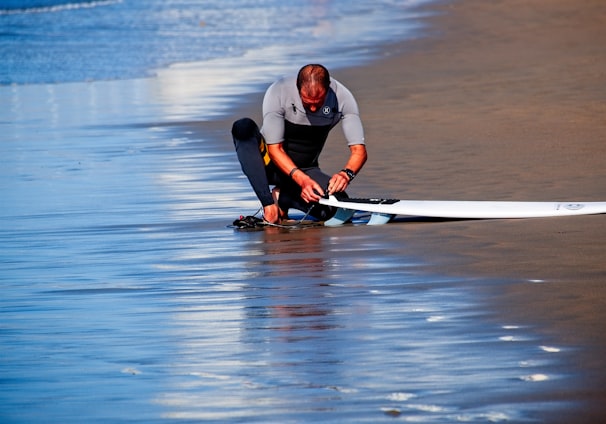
303	132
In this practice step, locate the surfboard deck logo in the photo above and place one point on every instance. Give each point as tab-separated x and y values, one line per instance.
574	206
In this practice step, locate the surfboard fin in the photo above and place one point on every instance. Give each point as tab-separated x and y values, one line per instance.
379	218
341	217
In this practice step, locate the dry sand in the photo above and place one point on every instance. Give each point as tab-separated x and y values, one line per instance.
502	100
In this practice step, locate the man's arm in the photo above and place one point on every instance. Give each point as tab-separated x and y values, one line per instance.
311	191
354	134
340	181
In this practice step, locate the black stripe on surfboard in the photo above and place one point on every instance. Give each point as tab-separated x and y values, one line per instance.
370	201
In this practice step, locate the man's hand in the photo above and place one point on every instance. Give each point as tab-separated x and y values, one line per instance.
311	191
338	183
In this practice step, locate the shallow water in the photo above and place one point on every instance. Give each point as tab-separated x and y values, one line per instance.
127	297
57	41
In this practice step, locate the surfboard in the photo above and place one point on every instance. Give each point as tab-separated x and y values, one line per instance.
383	210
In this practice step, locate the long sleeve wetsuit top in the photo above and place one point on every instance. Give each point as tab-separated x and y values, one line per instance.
303	133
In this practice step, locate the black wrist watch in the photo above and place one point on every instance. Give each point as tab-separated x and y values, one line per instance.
350	174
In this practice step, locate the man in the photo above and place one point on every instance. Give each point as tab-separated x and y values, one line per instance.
298	114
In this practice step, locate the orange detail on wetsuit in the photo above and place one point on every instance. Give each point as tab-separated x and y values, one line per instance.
264	151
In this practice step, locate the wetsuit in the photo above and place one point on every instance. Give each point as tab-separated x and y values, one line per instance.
303	135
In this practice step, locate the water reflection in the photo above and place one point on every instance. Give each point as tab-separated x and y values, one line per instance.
291	331
326	325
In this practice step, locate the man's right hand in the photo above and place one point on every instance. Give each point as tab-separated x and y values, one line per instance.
311	191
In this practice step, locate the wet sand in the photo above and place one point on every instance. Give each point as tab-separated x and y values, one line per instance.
502	101
506	101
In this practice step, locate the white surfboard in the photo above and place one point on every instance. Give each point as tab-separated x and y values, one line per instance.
384	209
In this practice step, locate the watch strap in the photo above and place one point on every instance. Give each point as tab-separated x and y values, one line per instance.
350	174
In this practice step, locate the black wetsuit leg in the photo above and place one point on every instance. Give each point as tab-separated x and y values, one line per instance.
247	138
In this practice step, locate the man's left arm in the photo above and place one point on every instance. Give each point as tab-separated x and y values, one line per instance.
354	134
357	158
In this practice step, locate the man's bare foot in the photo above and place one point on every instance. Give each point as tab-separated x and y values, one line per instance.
271	214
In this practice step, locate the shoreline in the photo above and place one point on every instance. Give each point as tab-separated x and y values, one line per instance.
492	104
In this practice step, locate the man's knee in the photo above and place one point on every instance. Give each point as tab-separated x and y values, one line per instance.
244	129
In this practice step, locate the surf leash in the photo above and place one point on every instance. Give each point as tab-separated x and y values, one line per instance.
248	222
253	221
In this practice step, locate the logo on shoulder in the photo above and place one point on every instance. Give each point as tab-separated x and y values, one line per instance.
326	110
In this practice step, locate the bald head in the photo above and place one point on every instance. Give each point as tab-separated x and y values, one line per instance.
313	82
313	75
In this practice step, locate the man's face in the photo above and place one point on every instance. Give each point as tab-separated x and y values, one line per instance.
313	102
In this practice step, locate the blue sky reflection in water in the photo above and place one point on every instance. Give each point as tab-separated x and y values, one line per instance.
126	297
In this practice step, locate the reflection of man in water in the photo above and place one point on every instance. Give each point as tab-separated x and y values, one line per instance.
298	114
293	293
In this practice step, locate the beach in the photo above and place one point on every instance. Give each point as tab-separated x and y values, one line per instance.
127	296
502	101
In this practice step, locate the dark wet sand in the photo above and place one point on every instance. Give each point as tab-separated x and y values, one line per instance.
502	101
